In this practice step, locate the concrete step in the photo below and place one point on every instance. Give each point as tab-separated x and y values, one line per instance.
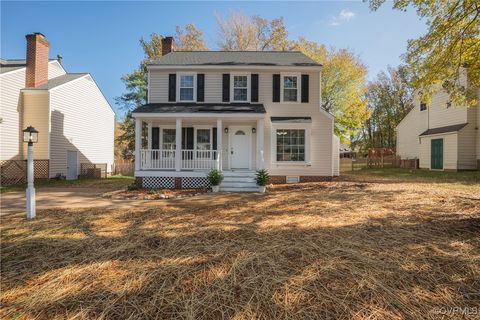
239	179
231	189
238	184
238	173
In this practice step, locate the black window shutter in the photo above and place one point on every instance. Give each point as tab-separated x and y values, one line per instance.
276	88
200	87
189	138
155	138
214	136
254	88
172	87
305	87
226	88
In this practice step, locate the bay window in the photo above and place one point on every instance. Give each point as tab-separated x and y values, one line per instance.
290	144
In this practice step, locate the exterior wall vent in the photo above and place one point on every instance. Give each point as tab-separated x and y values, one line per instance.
293	179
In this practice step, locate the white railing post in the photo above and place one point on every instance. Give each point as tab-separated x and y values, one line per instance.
219	143
178	144
260	144
138	143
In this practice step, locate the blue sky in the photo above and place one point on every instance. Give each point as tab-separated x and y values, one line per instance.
102	37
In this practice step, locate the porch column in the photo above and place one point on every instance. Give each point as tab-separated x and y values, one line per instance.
149	135
219	144
260	144
178	144
138	142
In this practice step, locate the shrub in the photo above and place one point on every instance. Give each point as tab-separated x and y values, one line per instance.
132	187
215	177
262	177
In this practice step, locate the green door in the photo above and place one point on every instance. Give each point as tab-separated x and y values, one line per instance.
437	154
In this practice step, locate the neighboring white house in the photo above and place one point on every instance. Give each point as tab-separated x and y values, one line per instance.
441	135
236	111
74	120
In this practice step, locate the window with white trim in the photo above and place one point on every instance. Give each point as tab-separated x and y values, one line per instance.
168	139
290	88
240	89
204	139
290	144
187	87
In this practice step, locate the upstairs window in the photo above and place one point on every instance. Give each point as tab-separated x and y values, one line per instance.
187	87
290	88
423	106
240	88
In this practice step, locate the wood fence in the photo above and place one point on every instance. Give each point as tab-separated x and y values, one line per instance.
352	164
15	171
123	168
93	170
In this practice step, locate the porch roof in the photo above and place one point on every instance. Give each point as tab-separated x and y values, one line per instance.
236	108
446	129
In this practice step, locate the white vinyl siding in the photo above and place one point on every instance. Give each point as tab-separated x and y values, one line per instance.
408	130
55	69
82	121
10	100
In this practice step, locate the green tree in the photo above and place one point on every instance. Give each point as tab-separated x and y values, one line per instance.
390	98
136	85
451	43
241	32
343	86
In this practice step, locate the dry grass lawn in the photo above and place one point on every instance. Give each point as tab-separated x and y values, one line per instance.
348	250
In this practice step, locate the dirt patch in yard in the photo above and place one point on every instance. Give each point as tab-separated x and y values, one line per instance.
154	194
344	250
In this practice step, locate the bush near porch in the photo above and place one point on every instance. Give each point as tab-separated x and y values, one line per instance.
343	250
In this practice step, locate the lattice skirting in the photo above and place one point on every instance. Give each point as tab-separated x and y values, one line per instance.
172	182
158	182
195	182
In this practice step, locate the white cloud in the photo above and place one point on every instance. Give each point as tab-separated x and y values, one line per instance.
344	16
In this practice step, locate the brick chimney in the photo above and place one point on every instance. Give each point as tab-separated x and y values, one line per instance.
37	60
168	45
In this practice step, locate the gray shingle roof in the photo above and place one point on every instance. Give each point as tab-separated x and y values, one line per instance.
232	58
55	82
446	129
200	108
7	65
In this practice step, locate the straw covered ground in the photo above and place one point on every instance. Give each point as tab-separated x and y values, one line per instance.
351	250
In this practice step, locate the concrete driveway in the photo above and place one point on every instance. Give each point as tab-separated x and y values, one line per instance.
53	197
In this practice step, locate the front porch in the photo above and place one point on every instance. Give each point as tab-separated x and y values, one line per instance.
179	152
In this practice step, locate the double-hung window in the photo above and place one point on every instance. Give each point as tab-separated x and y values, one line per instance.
240	88
168	142
290	85
203	143
290	144
186	87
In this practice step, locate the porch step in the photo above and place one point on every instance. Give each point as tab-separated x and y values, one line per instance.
239	189
239	181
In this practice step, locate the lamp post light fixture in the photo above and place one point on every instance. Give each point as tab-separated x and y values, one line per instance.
30	136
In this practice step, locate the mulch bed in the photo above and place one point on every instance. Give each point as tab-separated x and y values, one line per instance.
156	194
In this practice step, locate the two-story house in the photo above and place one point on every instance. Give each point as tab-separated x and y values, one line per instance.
73	117
235	111
441	135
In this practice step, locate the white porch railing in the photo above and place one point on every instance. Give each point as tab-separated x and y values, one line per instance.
157	159
190	159
199	159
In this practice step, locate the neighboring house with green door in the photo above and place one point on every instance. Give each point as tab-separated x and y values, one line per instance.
441	135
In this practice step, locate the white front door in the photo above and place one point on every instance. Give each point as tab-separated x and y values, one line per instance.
240	146
72	160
